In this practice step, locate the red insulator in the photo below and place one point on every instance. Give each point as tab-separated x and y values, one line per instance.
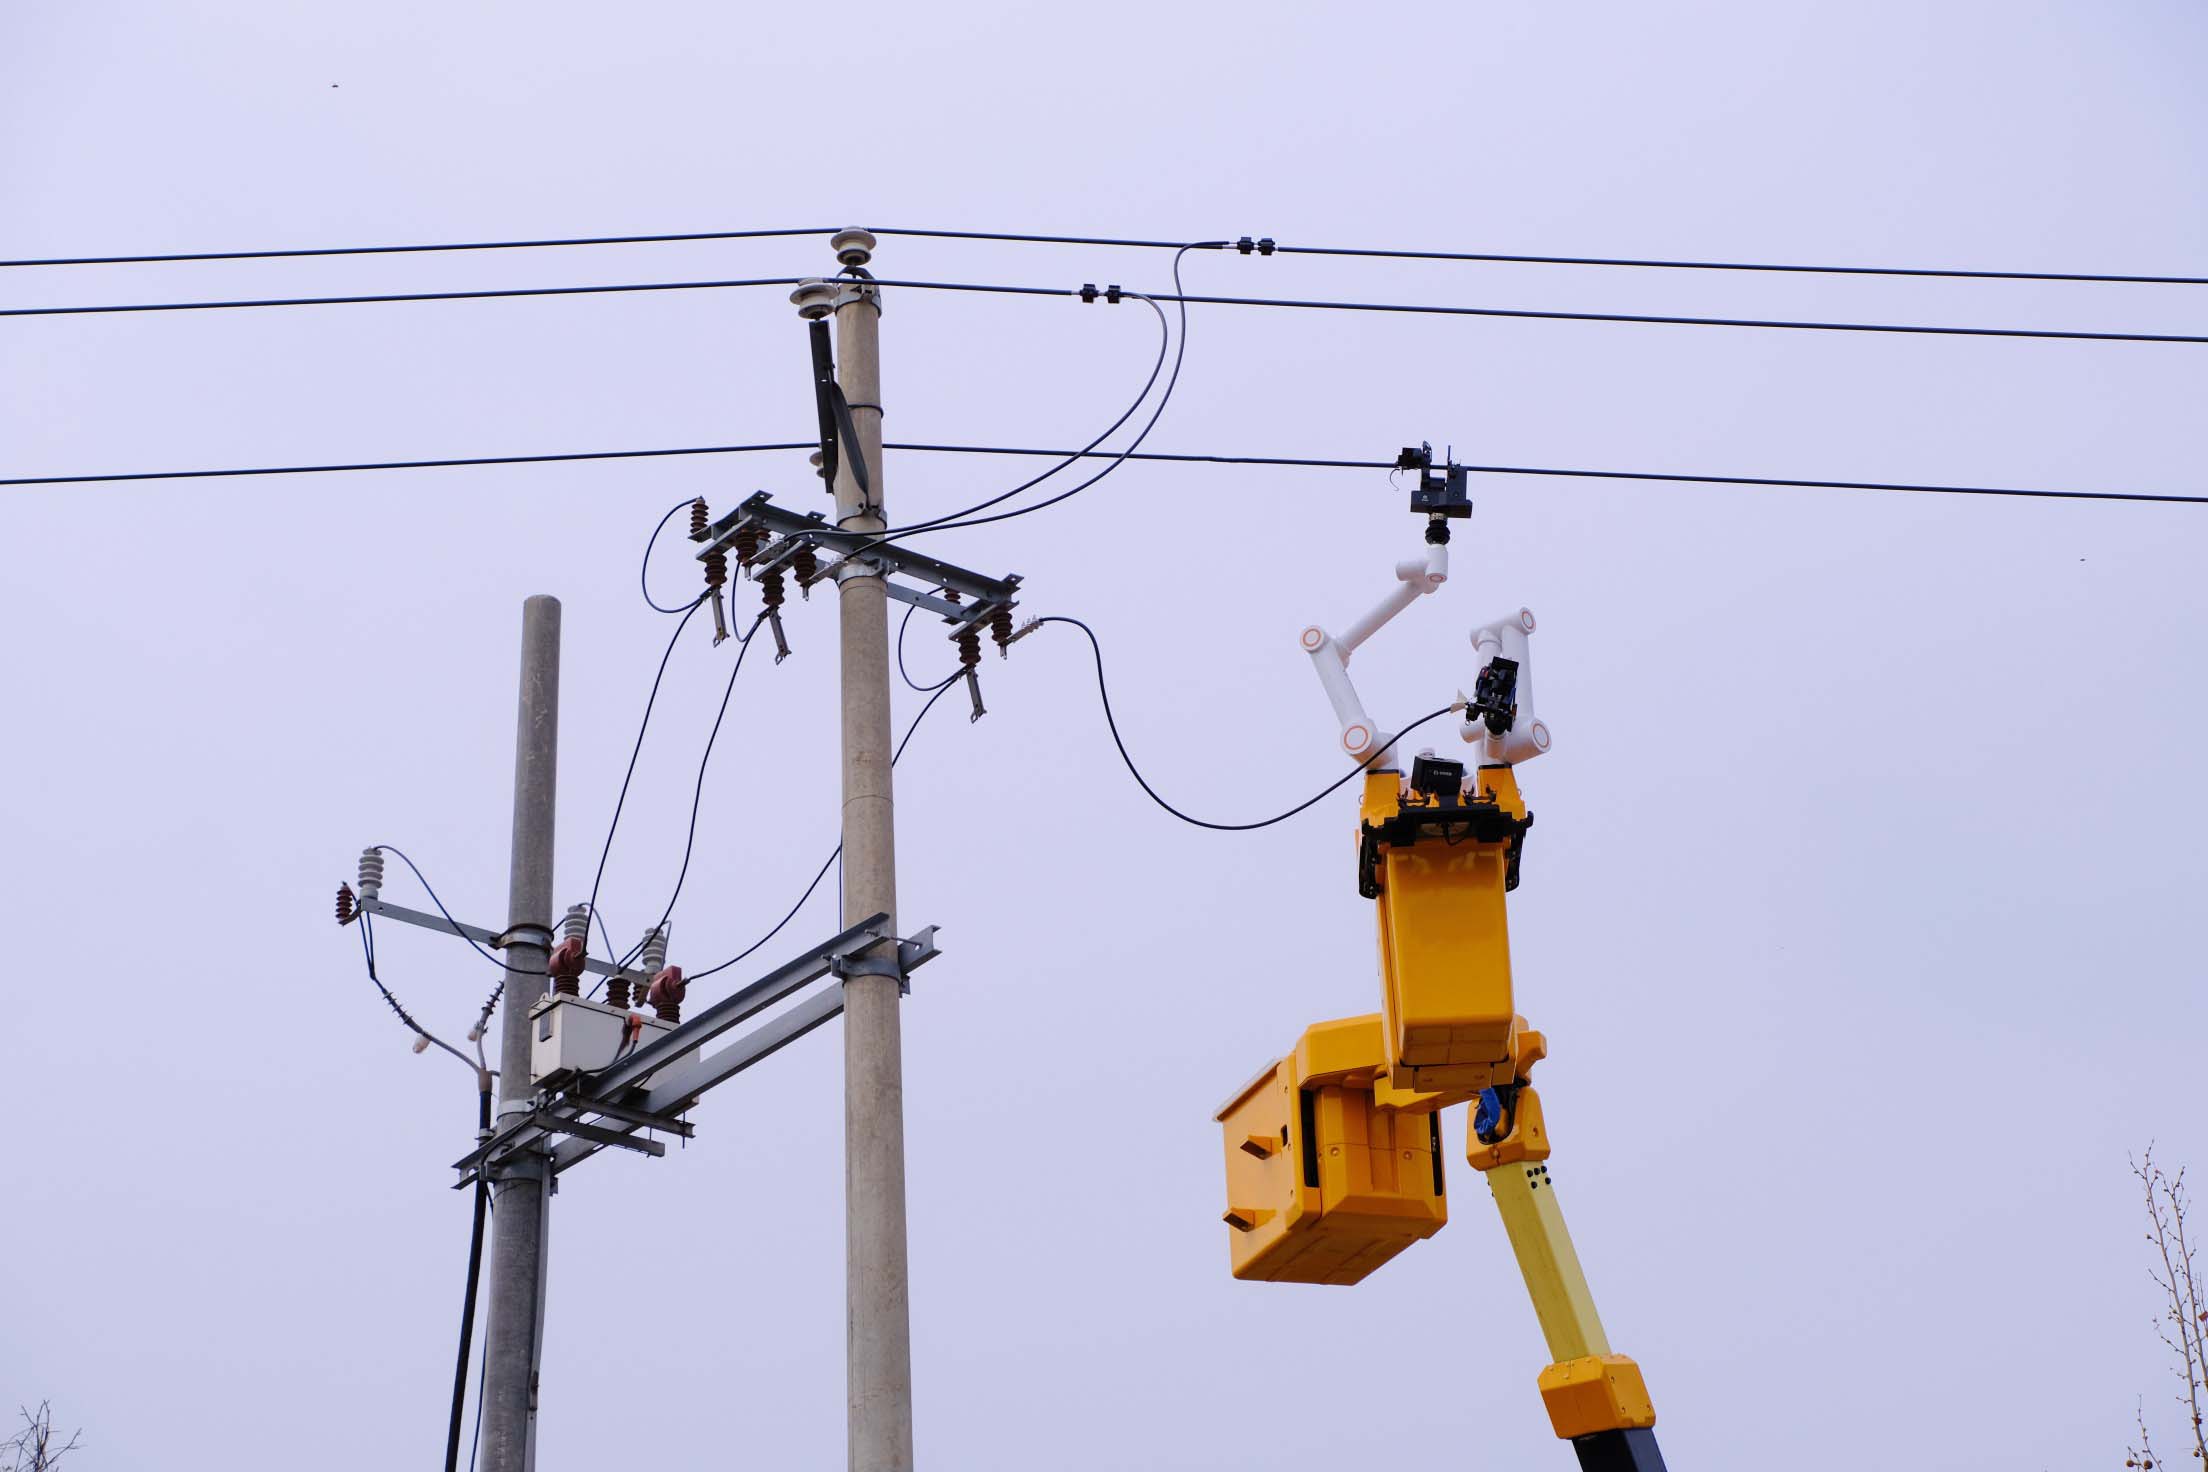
1000	629
666	994
748	538
566	966
698	518
969	647
345	910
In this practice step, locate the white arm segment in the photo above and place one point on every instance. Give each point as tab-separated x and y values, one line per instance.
1527	737
1330	653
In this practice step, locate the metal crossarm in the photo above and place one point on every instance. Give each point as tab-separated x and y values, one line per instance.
383	909
618	1102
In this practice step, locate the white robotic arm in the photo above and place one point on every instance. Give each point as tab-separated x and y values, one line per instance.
1498	717
1330	652
1509	686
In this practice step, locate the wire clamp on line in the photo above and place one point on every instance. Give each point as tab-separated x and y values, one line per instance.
1263	247
1112	292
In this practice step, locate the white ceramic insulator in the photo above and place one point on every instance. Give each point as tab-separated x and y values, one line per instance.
575	924
371	873
653	955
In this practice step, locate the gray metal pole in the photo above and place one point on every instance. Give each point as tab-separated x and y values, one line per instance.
518	1191
877	1296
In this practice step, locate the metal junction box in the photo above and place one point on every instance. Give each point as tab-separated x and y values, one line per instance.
569	1036
1323	1184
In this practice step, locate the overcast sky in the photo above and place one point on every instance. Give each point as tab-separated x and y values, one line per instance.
1863	912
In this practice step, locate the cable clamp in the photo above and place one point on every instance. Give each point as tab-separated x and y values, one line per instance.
1112	292
539	936
1263	247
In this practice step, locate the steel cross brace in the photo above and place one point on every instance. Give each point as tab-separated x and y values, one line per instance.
496	940
628	1097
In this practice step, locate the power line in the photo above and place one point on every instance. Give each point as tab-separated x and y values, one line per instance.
1673	265
1104	695
1529	314
1164	342
64	480
394	250
1090	292
1118	458
368	955
396	296
1175	457
837	851
423	880
636	750
1266	247
697	795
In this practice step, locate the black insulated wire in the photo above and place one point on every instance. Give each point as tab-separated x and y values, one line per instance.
1639	319
1172	457
697	794
1030	238
1294	303
636	749
833	854
365	465
1104	695
423	880
467	1301
396	250
1166	340
397	296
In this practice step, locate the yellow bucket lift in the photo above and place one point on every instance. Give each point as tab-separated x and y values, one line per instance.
1324	1184
1333	1153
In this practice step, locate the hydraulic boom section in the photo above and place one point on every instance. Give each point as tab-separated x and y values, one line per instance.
1333	1153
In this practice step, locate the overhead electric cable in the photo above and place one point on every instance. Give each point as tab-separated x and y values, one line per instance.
643	572
1177	457
1165	341
67	480
1090	293
423	880
697	795
1265	247
1527	313
396	250
1119	458
905	674
1104	694
396	296
835	853
368	955
636	749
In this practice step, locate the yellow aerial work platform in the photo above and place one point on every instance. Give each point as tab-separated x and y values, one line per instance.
1333	1153
1323	1183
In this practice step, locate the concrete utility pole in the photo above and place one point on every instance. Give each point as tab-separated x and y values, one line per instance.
519	1187
877	1290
